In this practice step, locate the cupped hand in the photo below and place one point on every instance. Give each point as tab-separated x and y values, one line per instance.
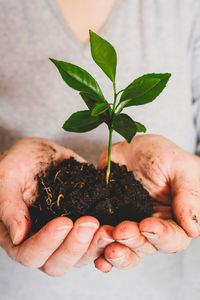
59	245
172	177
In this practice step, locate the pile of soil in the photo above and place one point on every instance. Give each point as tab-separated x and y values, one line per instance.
74	189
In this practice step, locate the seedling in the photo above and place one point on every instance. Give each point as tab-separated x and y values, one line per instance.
140	91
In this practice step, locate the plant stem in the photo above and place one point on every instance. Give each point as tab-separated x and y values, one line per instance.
109	155
119	92
122	106
115	96
110	136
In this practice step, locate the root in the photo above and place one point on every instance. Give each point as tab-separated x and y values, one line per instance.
58	200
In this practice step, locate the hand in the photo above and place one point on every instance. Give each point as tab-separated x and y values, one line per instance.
172	177
57	246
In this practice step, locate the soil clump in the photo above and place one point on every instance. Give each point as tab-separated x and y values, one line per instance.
75	189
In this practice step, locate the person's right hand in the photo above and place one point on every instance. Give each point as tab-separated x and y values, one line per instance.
57	246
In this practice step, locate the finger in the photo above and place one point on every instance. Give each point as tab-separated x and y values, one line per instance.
128	234
165	235
101	239
185	185
13	211
34	251
163	215
121	256
48	150
162	211
73	248
103	265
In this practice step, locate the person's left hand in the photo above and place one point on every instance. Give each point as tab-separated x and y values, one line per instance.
172	177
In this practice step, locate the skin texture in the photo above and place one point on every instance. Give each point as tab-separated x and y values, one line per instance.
172	177
60	244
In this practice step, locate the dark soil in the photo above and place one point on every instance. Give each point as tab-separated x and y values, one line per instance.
74	189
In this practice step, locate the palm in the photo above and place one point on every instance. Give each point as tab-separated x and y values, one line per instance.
150	162
148	158
170	174
29	157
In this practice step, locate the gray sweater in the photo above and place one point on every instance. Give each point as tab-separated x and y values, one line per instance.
149	36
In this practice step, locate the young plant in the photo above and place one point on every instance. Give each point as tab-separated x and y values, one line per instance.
140	91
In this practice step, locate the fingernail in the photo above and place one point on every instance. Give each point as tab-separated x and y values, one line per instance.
62	231
104	241
15	231
85	231
150	235
117	260
127	240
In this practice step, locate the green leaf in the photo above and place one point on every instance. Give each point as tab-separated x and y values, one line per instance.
100	109
139	87
104	55
144	89
140	127
82	121
125	126
77	78
91	100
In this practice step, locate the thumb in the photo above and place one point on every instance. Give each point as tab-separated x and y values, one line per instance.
14	212
186	197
